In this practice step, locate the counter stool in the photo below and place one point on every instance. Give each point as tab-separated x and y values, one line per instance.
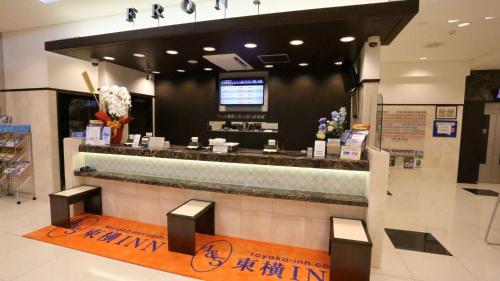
350	250
192	216
60	201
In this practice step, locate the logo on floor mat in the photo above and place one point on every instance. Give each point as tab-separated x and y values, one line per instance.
76	226
211	256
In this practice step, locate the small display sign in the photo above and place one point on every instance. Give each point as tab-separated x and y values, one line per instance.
444	129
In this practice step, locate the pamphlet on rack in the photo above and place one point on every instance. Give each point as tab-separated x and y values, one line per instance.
93	135
156	142
354	142
106	135
319	149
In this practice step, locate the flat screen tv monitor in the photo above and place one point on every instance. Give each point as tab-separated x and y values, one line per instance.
241	91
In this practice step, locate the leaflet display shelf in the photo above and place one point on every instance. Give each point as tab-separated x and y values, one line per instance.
16	161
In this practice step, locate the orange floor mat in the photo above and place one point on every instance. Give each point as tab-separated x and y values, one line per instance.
217	257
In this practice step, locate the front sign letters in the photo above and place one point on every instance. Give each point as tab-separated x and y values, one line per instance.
157	10
131	14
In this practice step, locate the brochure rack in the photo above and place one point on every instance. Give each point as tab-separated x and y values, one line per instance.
16	160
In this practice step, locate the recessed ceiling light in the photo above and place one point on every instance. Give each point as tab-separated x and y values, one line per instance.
108	58
338	63
139	55
207	69
172	52
268	66
181	70
155	72
464	24
347	39
303	64
250	45
209	49
296	42
453	20
48	1
489	18
192	61
423	58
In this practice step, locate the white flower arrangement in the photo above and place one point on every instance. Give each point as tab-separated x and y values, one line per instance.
117	101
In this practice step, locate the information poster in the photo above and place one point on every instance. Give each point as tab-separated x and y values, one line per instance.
403	135
445	129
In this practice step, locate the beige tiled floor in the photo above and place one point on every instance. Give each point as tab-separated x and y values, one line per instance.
457	218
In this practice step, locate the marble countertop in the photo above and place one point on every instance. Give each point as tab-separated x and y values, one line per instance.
277	193
244	156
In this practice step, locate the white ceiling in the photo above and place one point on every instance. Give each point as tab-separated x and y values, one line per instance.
480	42
481	38
23	14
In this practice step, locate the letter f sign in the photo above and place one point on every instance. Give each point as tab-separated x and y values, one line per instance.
130	14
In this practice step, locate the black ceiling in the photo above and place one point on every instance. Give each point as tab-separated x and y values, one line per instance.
320	29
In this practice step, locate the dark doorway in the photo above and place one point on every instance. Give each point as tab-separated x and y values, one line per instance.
74	110
470	148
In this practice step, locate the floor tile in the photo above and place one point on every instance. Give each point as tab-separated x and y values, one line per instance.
430	267
416	241
482	192
117	270
165	276
393	265
383	277
482	270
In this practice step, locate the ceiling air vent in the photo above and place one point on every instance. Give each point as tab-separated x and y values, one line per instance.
229	62
271	59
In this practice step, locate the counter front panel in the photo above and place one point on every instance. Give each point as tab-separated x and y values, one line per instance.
252	175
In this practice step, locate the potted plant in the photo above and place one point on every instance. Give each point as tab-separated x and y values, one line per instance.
332	130
114	106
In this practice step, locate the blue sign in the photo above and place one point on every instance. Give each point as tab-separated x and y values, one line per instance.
444	129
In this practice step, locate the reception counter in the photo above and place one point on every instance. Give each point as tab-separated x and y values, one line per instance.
284	198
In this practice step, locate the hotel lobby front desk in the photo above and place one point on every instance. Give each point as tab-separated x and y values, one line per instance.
283	198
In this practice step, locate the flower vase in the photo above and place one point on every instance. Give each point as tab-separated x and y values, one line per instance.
116	135
333	146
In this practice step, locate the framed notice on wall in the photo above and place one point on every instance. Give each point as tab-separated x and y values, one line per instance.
446	112
444	129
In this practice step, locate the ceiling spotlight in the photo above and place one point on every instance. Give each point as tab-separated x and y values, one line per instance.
172	52
338	63
347	39
464	24
303	64
139	55
489	18
296	42
207	69
155	72
423	58
192	61
109	58
268	66
209	49
453	21
181	70
250	45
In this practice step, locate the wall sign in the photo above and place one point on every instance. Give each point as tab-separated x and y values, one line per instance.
445	129
157	11
446	112
130	14
188	6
